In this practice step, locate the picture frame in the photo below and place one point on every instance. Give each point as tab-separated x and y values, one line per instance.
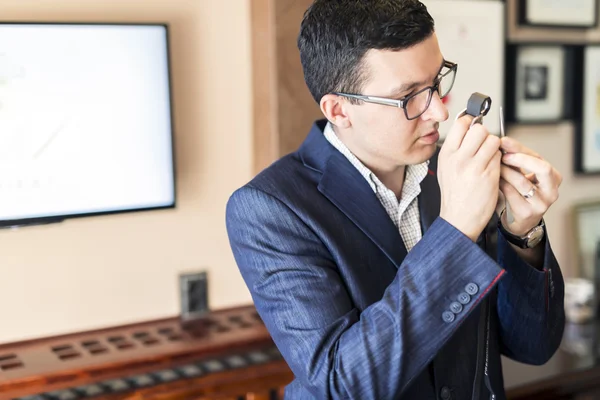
587	134
572	14
540	82
586	234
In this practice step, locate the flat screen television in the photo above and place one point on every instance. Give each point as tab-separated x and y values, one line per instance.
85	120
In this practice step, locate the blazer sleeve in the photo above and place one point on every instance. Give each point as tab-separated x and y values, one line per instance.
333	349
530	305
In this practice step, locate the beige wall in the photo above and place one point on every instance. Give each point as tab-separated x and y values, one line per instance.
555	143
94	272
100	271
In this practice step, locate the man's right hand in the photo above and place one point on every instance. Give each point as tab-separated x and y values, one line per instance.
469	176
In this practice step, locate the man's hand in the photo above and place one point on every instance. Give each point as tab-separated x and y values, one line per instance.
468	174
529	184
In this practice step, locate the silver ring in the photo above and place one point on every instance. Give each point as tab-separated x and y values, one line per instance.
530	194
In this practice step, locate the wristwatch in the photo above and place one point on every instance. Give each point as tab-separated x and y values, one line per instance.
529	240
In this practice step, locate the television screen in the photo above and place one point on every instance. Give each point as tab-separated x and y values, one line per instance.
85	120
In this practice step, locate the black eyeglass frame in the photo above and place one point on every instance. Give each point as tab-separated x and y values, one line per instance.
401	103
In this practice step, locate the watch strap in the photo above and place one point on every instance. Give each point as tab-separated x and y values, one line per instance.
519	241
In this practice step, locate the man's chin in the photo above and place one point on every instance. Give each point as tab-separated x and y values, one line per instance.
423	153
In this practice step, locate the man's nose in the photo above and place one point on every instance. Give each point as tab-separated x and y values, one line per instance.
437	110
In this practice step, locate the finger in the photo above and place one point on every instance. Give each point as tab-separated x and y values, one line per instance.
516	179
495	162
543	171
489	155
474	139
457	132
549	196
521	207
511	145
512	195
530	177
519	170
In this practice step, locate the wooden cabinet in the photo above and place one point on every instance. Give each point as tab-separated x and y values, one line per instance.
228	355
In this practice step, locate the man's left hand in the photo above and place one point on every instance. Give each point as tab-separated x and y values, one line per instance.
529	185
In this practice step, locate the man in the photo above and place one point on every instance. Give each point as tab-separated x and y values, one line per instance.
366	251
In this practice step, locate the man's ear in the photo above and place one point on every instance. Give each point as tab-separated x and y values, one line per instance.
334	108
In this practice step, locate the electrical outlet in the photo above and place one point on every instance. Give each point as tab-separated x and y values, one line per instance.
194	295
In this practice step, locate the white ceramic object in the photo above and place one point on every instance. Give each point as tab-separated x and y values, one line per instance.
579	300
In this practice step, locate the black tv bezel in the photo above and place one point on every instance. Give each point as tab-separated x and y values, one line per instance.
50	219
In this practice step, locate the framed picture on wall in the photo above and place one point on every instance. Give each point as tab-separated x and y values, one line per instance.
539	85
586	225
587	136
559	13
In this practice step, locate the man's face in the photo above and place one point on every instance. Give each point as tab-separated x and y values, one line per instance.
383	133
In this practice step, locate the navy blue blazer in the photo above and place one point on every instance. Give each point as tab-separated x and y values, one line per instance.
355	315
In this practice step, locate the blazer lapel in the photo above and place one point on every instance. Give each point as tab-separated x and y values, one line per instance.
345	187
429	199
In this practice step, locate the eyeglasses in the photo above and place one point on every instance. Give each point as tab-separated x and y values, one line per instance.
417	103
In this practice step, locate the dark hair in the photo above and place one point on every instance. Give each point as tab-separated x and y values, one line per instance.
336	34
